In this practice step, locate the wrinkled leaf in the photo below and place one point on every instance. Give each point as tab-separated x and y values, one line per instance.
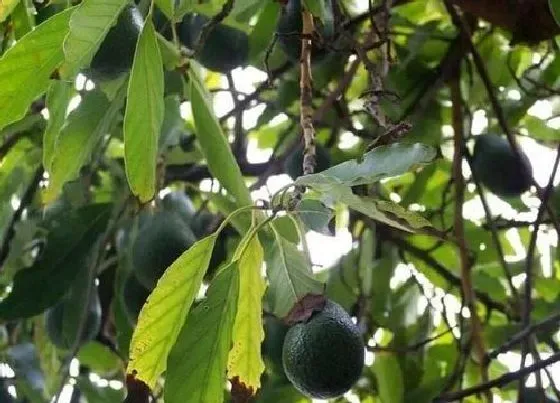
244	360
163	315
197	364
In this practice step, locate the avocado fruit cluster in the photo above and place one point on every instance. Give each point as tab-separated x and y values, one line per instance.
497	167
224	49
293	165
290	26
116	53
324	356
62	326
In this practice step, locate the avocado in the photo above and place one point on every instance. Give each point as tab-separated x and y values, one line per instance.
224	49
134	297
535	395
61	332
116	53
496	166
160	241
293	165
178	202
290	25
324	356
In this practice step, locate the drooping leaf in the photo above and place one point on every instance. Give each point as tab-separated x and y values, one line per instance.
144	115
289	275
214	144
165	311
58	98
245	364
389	378
197	364
88	26
379	163
82	131
25	69
69	241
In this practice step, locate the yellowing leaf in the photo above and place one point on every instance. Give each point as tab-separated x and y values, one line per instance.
6	7
144	115
244	361
164	313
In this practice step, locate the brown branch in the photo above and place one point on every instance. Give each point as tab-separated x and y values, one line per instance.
499	382
459	228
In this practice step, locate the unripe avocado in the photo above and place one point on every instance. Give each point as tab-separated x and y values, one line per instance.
495	165
293	165
324	356
178	202
62	334
134	296
160	241
116	53
534	395
290	25
224	49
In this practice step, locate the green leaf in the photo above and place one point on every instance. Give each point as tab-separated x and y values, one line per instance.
286	227
6	7
99	358
82	131
25	69
144	115
214	144
163	315
314	214
381	162
70	239
244	361
389	378
58	98
197	364
554	6
262	32
289	275
167	7
88	26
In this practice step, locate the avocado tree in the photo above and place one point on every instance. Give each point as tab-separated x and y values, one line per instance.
279	201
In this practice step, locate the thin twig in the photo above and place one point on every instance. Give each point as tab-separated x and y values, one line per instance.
459	229
499	382
528	302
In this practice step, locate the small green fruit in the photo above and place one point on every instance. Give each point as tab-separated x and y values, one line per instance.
496	166
224	49
293	165
160	241
60	322
290	26
116	53
324	356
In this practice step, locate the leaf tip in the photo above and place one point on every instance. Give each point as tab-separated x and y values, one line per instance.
138	390
240	392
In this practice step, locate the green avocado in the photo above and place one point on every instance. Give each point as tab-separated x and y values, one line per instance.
293	165
116	53
178	202
134	296
534	395
62	332
160	241
495	165
290	25
225	47
324	356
